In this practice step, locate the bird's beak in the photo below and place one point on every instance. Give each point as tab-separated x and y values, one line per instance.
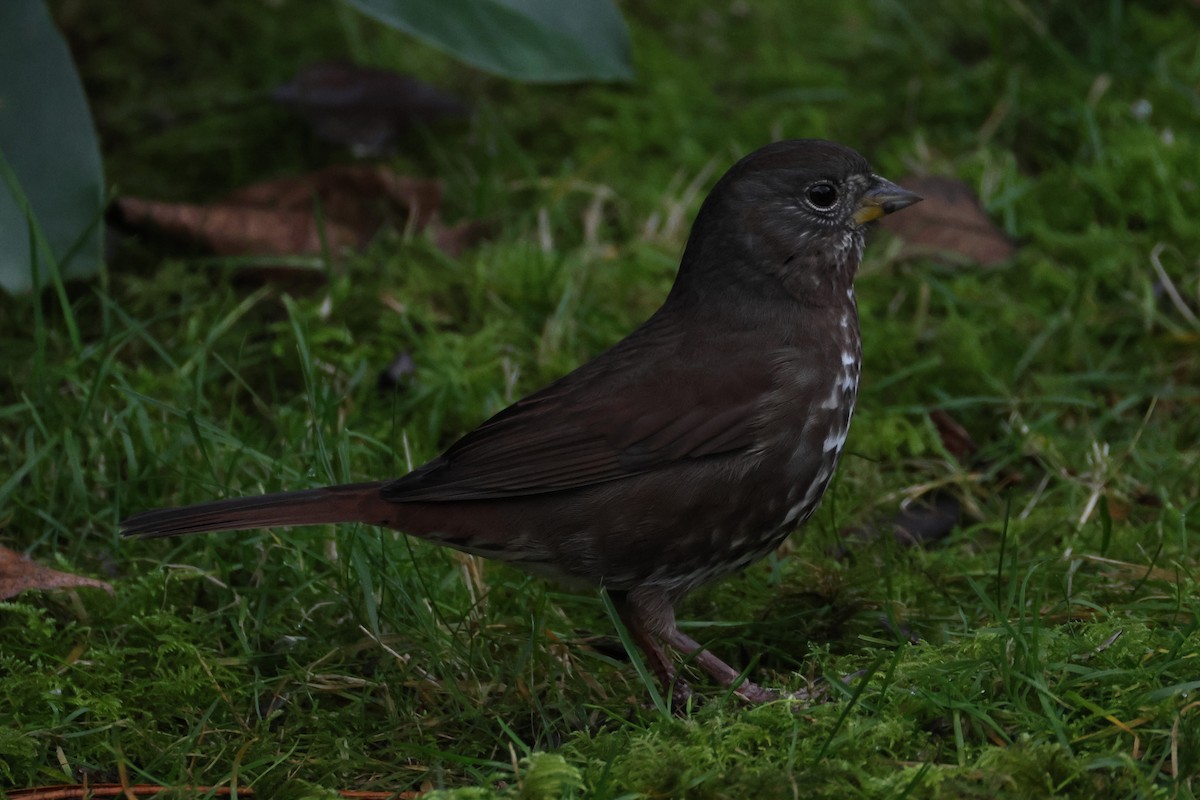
882	198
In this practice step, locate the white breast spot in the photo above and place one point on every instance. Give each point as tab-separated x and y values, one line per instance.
835	440
835	397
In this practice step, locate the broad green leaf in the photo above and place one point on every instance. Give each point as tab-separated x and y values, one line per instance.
553	41
50	171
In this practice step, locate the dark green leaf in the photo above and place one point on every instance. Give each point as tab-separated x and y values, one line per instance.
554	41
50	169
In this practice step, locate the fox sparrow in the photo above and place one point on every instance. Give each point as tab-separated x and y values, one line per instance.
685	452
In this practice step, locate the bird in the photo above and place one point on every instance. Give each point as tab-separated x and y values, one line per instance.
687	451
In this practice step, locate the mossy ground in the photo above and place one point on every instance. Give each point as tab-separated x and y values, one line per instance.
1054	647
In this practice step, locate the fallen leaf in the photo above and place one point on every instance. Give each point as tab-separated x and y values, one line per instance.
954	436
359	195
228	229
364	108
919	523
454	240
396	374
19	574
278	217
1132	573
1118	511
927	520
948	224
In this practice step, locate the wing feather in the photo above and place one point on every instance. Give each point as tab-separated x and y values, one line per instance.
645	403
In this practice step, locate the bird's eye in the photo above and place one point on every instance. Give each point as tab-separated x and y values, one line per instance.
822	196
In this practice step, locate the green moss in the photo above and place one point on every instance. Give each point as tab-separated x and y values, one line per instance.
1047	647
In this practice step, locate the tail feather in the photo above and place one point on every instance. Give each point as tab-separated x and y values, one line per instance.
348	503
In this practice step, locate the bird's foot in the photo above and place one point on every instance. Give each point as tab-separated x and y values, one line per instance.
754	694
680	694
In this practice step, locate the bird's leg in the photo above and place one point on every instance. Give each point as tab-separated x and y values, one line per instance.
644	621
721	672
650	616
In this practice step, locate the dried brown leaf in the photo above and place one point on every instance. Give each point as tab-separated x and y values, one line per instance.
364	108
1132	573
238	230
950	223
361	196
920	523
454	240
928	520
19	574
955	438
278	217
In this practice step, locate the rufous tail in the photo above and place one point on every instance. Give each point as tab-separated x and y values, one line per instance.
354	502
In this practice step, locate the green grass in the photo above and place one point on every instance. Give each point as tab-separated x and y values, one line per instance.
1059	648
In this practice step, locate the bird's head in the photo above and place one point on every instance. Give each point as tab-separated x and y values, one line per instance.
793	212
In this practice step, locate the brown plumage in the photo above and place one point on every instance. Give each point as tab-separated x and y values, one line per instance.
685	452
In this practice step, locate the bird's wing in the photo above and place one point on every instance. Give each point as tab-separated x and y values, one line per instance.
650	401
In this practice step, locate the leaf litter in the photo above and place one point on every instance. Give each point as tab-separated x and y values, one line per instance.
333	210
950	224
19	574
363	108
